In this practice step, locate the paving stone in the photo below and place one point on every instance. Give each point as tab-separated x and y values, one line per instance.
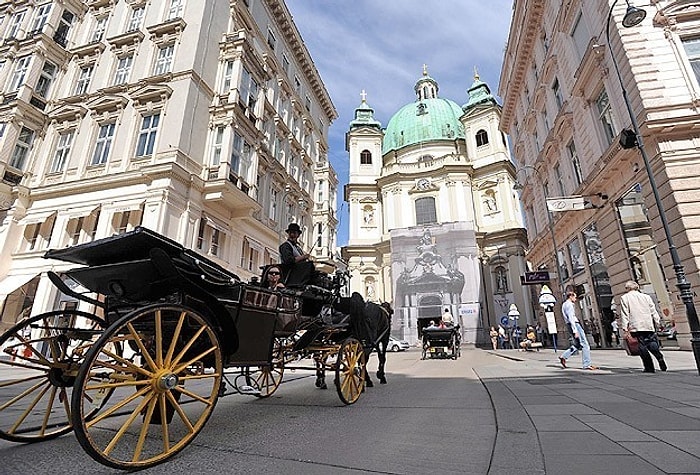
558	423
665	456
686	440
599	465
552	409
578	443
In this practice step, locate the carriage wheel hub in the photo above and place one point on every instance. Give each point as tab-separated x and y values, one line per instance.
167	381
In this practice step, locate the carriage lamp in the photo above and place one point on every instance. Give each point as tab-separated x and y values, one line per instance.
634	17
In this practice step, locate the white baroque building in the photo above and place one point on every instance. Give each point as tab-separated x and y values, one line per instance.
204	121
564	109
434	221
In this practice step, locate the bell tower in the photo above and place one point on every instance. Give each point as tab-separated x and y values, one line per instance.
363	142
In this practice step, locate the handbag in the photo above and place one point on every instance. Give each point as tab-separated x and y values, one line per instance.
631	345
573	341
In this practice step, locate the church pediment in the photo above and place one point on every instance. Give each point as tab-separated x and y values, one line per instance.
107	103
150	93
67	113
488	184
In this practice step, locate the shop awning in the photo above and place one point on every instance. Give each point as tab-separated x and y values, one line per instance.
36	217
13	282
80	211
216	224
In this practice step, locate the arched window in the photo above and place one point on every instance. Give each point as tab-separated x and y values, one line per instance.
425	211
482	138
365	157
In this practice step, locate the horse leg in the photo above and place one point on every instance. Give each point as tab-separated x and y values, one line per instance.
368	380
321	373
381	355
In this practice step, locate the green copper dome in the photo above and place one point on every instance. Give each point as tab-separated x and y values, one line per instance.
429	118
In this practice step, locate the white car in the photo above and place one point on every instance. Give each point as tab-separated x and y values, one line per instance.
397	345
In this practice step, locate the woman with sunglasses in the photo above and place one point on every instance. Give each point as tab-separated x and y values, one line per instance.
273	277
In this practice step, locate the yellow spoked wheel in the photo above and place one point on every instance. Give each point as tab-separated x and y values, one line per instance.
350	371
267	379
164	387
40	360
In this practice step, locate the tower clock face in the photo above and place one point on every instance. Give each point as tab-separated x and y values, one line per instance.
423	184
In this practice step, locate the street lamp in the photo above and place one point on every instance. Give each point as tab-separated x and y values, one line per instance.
514	315
550	222
633	17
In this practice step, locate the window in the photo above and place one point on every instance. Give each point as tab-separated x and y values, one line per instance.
319	235
605	116
61	34
209	237
297	84
692	50
81	86
482	138
271	40
575	163
100	28
320	196
249	91
147	136
272	211
559	179
425	211
32	234
103	144
75	227
227	76
21	67
365	157
126	221
121	75
285	63
164	62
15	24
60	158
176	7
48	74
24	143
580	36
216	145
556	90
41	15
136	19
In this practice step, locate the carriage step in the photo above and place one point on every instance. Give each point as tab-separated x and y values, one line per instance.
245	389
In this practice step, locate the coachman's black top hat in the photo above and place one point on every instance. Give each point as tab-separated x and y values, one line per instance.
293	227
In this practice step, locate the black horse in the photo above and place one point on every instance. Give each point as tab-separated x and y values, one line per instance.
371	324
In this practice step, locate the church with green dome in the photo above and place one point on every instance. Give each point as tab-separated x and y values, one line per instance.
435	224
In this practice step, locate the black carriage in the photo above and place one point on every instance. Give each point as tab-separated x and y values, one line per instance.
138	379
441	342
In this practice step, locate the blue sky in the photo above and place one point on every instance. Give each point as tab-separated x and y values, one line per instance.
381	46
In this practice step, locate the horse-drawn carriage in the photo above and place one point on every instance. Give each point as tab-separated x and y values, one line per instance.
441	342
138	378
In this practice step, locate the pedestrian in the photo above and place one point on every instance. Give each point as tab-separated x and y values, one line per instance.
640	319
577	333
616	331
501	337
596	334
539	331
447	318
493	334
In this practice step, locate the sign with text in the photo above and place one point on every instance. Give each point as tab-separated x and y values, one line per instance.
533	278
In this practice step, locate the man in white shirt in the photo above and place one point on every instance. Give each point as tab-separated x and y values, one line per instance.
447	318
579	335
640	319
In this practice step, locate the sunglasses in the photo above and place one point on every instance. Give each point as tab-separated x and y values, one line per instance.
273	273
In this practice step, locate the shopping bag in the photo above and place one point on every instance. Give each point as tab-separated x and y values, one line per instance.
631	345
